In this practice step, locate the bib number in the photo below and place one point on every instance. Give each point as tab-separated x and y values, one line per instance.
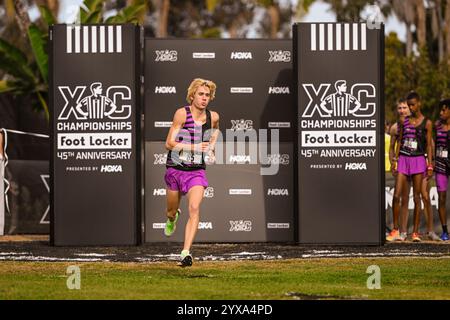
411	144
189	157
441	153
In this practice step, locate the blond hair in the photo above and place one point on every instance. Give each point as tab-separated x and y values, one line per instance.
198	82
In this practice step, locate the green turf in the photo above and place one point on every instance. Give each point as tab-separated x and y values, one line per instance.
401	278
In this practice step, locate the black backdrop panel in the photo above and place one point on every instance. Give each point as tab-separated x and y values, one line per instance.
339	83
253	77
27	197
239	205
95	103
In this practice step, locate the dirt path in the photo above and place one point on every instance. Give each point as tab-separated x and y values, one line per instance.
37	248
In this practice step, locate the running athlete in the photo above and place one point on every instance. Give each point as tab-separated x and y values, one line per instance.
415	141
442	162
403	192
191	138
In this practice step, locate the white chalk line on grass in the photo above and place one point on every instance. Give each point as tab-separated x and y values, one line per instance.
14	253
374	254
94	255
50	259
239	256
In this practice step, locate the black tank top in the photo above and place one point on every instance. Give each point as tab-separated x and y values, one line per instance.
190	133
442	162
414	139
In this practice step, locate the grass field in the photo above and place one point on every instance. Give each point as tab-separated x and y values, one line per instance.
401	278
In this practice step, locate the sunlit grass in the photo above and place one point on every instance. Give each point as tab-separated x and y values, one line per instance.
401	278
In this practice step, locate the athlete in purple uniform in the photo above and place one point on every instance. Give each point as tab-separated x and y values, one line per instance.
415	141
403	192
191	137
442	162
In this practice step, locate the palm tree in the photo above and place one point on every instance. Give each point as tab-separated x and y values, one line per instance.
406	13
29	74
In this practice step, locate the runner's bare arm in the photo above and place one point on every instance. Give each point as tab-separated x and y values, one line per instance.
177	124
393	133
215	126
400	137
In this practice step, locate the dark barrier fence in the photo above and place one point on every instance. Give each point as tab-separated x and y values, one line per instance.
24	207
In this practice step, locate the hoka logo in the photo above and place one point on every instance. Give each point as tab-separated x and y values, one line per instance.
110	168
277	192
279	90
236	55
205	225
159	192
355	166
165	90
240	159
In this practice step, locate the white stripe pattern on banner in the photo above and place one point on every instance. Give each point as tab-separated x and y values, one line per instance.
321	37
110	39
102	39
346	36
119	38
77	39
85	39
355	36
338	36
313	37
330	37
69	39
94	39
363	37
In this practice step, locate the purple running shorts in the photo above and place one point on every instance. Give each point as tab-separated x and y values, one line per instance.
412	165
179	180
441	182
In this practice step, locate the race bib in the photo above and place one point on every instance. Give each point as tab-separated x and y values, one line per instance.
411	144
442	153
189	157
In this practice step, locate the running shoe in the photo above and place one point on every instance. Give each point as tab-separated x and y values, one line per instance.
186	259
433	236
415	237
444	236
403	236
394	235
171	225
